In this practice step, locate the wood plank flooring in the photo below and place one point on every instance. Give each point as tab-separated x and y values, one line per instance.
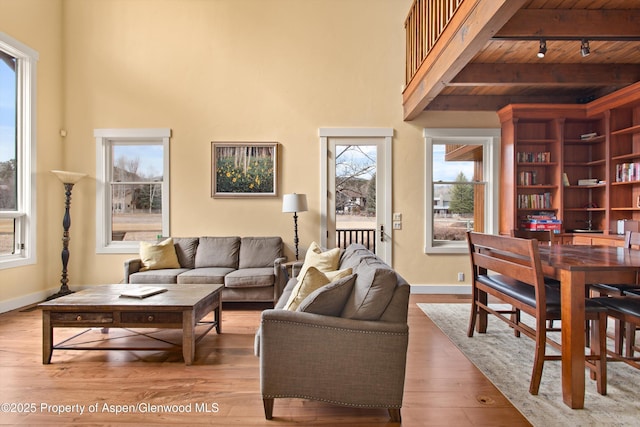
442	387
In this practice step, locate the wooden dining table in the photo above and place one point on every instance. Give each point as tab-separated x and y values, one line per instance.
577	266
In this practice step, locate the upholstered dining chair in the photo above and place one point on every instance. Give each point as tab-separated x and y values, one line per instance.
517	280
626	309
624	334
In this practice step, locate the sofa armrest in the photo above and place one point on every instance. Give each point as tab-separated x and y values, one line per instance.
332	358
131	266
281	278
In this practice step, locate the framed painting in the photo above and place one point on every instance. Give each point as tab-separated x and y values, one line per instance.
244	169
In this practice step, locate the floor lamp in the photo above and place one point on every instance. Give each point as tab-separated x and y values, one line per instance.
68	179
295	203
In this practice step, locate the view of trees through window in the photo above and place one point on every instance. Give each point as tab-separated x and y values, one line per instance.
8	148
355	194
453	194
136	192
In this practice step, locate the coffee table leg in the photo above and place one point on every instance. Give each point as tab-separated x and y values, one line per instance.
188	336
47	337
217	316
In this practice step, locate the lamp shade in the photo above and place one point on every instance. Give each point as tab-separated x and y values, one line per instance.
68	177
294	203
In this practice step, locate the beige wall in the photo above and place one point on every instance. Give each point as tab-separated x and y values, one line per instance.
222	70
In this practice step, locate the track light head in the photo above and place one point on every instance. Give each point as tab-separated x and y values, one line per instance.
543	49
584	48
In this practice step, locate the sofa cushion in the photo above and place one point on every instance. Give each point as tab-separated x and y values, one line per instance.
157	256
322	261
329	300
205	275
312	280
250	278
161	277
373	289
186	251
218	252
351	256
257	252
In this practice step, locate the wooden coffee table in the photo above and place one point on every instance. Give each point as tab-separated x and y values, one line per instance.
180	307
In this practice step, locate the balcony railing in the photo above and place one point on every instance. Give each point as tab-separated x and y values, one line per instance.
366	237
425	23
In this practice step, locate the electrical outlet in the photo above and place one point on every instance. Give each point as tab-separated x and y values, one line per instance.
397	225
460	277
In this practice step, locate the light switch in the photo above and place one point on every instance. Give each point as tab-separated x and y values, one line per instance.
397	216
397	225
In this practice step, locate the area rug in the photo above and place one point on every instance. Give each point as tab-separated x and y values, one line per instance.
507	361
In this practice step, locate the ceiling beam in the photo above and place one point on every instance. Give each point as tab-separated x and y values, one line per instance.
491	102
469	30
565	75
572	23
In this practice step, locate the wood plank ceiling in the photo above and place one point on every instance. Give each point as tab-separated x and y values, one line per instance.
500	65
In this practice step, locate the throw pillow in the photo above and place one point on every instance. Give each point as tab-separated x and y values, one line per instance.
323	261
312	280
156	256
329	300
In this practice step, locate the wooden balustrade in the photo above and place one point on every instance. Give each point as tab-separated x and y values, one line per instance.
425	23
366	237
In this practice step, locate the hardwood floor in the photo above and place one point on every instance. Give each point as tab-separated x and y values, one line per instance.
442	387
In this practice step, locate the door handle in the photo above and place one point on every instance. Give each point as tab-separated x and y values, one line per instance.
381	233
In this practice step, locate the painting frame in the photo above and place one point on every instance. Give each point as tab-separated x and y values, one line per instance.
244	169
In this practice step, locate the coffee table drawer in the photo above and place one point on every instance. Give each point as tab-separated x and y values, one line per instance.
150	317
84	318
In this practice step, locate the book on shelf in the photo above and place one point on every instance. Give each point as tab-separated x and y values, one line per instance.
142	292
588	181
589	135
565	180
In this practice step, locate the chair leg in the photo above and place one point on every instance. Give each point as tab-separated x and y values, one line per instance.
268	408
629	338
599	348
394	414
538	359
474	316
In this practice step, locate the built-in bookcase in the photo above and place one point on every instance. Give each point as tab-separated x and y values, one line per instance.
579	163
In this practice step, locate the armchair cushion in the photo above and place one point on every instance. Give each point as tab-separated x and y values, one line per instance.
156	256
330	299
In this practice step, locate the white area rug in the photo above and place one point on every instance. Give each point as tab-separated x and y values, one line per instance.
507	361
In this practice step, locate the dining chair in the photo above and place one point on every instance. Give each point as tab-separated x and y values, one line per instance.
624	334
626	309
516	279
544	237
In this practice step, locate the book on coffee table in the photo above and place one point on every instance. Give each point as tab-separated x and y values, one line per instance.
142	292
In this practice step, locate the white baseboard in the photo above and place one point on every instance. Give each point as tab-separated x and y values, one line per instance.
33	298
441	289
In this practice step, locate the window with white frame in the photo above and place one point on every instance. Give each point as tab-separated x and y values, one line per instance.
17	152
461	186
132	193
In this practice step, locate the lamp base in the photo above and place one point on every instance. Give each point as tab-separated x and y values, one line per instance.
60	293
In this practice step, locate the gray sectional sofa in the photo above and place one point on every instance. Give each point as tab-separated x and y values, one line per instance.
346	343
249	267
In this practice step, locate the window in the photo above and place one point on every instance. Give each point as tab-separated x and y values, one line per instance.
461	188
17	148
132	194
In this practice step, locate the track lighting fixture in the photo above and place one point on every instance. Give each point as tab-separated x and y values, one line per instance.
584	48
543	48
